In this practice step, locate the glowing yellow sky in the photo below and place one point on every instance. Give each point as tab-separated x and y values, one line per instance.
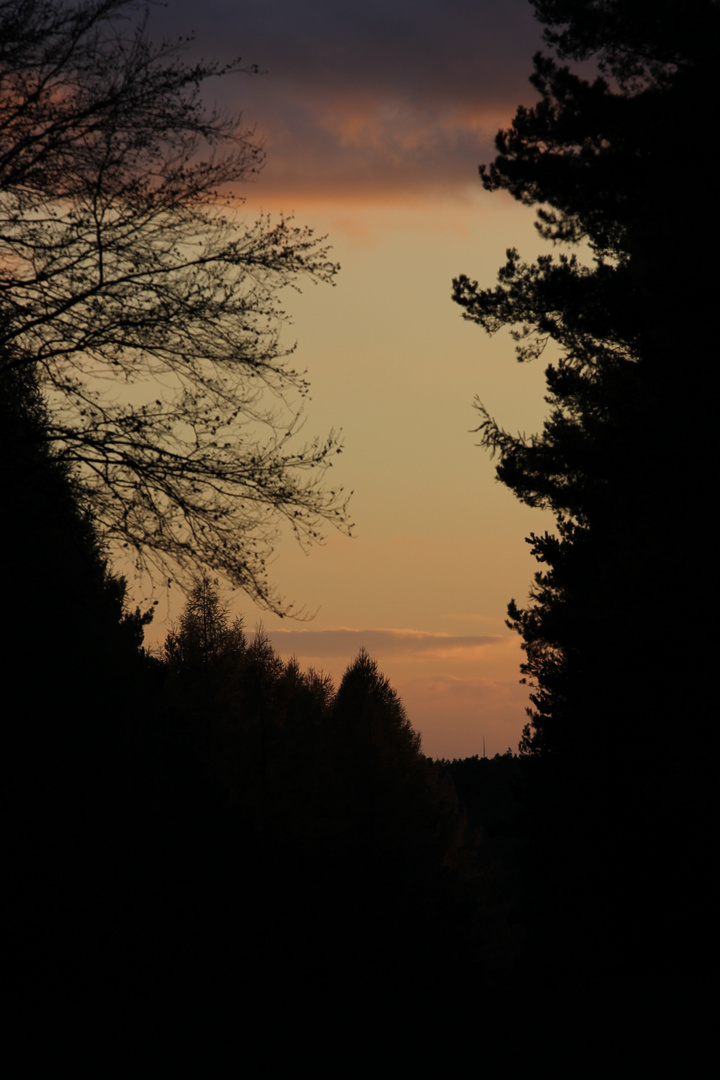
439	544
391	177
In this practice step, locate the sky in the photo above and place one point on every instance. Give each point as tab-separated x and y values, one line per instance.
374	117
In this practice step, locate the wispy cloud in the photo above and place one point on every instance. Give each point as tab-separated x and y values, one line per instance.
345	643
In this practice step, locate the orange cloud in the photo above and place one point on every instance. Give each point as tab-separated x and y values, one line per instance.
369	100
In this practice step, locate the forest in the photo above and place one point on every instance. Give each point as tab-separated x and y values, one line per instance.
208	820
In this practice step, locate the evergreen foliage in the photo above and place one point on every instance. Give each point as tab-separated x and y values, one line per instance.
625	414
75	684
351	843
615	634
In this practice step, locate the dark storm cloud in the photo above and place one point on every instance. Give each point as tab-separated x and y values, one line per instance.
368	99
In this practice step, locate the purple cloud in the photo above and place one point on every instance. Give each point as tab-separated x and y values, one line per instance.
368	100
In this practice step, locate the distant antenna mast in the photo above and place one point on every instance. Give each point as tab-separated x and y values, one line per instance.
483	746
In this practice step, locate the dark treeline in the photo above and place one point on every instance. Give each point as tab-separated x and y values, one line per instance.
213	821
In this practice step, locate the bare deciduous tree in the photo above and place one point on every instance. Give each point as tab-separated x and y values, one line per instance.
148	309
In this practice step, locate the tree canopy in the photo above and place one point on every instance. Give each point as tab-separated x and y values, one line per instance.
149	309
616	631
205	633
627	310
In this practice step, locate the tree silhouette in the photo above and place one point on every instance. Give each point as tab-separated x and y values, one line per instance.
75	693
591	155
623	462
150	312
372	716
396	840
205	633
400	820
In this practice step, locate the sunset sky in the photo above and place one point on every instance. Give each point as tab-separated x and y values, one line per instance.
375	117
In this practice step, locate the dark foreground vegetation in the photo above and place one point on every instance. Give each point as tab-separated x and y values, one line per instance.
214	819
216	824
213	822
